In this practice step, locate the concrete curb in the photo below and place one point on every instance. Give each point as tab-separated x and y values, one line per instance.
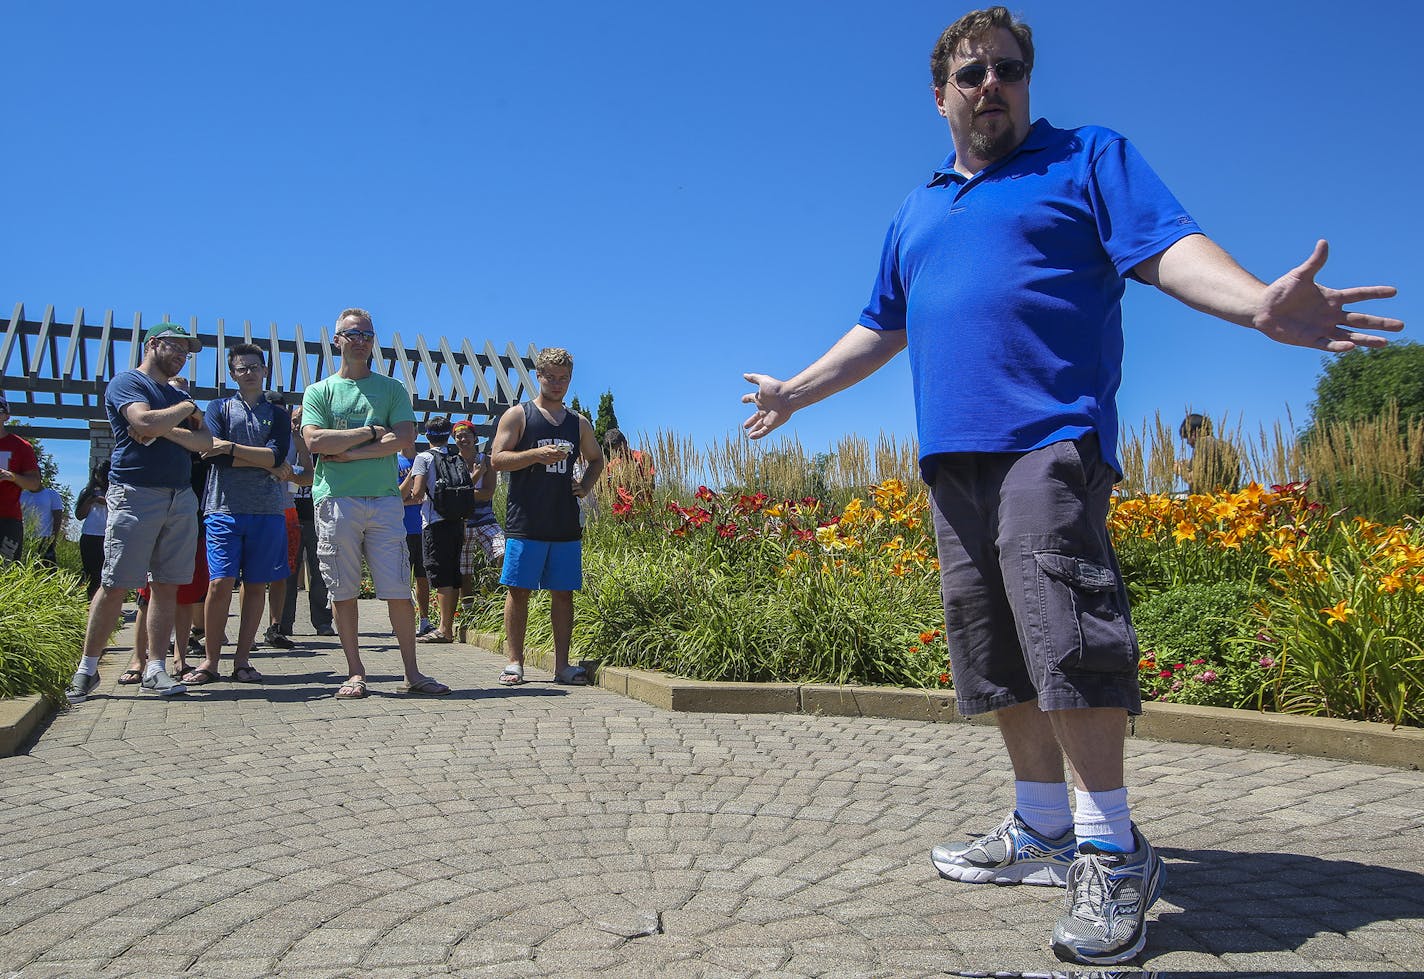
1353	741
19	716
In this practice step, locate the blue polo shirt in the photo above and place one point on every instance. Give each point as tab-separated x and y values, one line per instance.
1009	285
247	489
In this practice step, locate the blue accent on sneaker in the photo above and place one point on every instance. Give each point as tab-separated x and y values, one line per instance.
1012	854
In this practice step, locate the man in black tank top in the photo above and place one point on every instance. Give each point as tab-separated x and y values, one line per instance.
537	443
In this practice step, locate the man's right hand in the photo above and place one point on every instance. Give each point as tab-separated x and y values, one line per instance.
548	455
772	407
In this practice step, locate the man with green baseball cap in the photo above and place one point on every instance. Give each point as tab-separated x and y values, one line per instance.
152	530
174	333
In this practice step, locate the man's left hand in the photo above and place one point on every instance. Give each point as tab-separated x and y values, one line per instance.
1295	309
220	448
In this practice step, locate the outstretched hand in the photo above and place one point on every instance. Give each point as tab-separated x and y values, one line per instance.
772	407
1295	309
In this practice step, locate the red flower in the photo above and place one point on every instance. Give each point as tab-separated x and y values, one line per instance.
1165	674
678	532
697	516
750	504
621	509
1198	662
623	495
810	501
804	535
727	529
944	679
705	494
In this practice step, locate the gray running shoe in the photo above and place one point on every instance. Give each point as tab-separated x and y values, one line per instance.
1108	898
81	687
162	684
1012	854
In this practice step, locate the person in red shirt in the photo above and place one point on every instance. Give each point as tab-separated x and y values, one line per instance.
19	470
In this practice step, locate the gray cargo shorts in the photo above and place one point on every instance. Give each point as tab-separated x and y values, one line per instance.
1034	605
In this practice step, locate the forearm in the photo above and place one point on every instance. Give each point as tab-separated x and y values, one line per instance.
156	422
591	474
387	445
853	358
512	461
30	481
333	441
189	439
1198	272
255	456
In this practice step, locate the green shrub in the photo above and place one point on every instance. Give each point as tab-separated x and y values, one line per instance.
1196	645
42	618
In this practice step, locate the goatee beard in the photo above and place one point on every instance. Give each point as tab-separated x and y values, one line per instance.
992	147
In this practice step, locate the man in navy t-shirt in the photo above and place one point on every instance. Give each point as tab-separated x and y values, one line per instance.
1003	274
152	530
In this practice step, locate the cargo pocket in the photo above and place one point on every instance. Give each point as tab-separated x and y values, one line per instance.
1084	621
327	558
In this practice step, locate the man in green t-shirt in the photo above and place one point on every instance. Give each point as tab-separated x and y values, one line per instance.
354	422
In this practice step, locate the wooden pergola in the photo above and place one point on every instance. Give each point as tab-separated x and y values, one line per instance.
56	372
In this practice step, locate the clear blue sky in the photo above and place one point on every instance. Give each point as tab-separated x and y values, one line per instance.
677	193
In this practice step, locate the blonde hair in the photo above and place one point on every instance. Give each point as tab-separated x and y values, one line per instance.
553	357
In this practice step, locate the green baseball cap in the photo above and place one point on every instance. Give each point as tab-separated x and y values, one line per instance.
173	331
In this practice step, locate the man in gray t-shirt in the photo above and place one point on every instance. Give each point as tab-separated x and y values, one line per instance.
245	506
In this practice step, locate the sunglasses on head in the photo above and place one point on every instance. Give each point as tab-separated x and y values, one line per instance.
1008	71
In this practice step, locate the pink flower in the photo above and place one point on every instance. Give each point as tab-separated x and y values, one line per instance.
1267	662
1206	676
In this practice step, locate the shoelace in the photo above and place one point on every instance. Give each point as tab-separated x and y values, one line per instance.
1088	882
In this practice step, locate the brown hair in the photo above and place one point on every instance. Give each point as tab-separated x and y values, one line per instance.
973	25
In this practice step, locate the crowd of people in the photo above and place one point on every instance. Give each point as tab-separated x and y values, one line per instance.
250	495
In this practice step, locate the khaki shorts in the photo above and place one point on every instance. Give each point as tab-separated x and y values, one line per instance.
152	532
348	527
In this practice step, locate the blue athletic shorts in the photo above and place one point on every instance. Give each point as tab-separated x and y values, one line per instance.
542	564
250	546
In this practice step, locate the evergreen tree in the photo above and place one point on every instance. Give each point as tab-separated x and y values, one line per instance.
575	407
1359	385
606	417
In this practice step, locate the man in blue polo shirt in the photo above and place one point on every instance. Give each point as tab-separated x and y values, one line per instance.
1003	275
245	511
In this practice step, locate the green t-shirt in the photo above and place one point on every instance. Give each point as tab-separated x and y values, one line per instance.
340	403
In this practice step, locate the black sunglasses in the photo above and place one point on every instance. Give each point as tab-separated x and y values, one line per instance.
1008	71
357	335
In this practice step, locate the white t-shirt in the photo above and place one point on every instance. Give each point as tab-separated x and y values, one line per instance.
424	465
39	506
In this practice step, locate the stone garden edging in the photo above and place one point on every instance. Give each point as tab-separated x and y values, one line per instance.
1352	741
19	716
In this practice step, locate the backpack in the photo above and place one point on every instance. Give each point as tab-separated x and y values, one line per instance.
452	494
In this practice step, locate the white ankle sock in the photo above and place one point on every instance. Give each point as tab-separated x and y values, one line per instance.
89	665
1104	820
1044	807
151	667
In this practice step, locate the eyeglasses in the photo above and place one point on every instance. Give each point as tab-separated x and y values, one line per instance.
361	336
247	368
175	347
1008	71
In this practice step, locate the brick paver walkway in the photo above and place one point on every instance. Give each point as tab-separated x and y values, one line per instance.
544	831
